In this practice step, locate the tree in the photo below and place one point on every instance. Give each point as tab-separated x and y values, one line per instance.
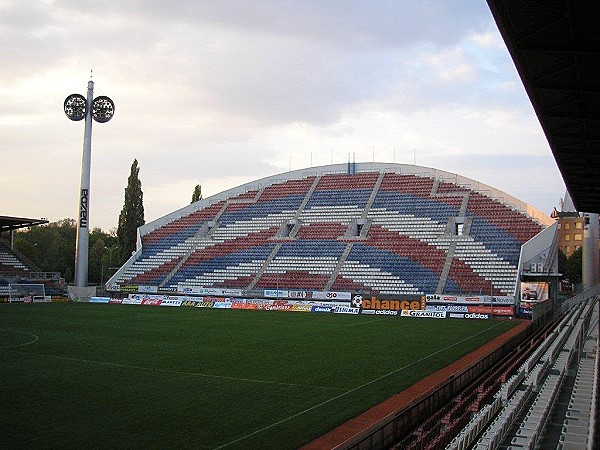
197	195
573	266
132	214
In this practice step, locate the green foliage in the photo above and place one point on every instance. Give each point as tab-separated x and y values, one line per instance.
573	266
154	377
132	214
562	261
197	195
51	248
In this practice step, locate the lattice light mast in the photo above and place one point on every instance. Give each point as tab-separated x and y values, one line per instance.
101	109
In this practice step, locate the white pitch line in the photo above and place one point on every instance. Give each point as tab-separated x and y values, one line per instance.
35	338
393	372
177	372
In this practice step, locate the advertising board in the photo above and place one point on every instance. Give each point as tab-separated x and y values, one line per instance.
428	314
534	291
346	310
171	302
450	308
374	303
468	316
495	310
239	305
472	299
148	289
380	312
151	301
331	295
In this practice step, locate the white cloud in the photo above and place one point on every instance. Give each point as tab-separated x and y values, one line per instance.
221	93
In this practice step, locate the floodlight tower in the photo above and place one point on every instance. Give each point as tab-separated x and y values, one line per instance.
101	109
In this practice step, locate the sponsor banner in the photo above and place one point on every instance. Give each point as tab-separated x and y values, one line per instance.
222	305
113	287
204	304
132	301
231	292
346	310
428	314
275	293
151	301
472	299
321	309
373	303
380	312
302	308
99	300
495	310
146	296
148	289
332	295
469	316
450	308
129	288
189	303
168	289
526	310
217	292
534	291
187	289
171	302
278	306
115	301
299	294
240	305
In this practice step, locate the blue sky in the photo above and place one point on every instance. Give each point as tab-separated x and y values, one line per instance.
222	93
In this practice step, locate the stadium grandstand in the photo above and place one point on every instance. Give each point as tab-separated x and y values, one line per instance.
364	228
20	279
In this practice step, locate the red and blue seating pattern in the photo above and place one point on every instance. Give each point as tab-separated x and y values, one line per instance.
374	232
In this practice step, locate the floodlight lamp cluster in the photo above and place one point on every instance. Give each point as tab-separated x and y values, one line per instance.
75	106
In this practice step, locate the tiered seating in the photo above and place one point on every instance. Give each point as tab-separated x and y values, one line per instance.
165	246
10	264
390	262
303	234
228	259
495	222
306	264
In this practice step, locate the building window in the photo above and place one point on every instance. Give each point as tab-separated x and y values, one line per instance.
578	225
567	226
568	249
567	237
577	236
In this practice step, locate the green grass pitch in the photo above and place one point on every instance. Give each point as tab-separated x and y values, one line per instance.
116	376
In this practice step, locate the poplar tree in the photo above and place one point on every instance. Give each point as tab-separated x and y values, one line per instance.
197	195
132	214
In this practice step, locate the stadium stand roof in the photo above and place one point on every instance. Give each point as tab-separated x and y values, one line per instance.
555	46
8	223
